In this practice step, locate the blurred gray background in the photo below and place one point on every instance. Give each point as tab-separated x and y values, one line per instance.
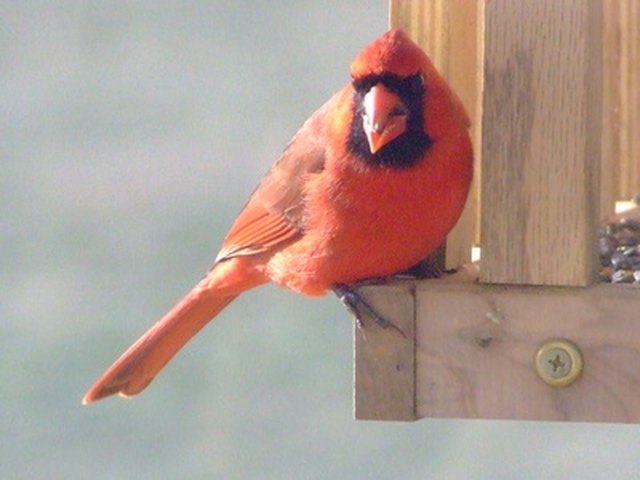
131	134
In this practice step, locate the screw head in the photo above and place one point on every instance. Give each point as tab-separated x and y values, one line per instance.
558	362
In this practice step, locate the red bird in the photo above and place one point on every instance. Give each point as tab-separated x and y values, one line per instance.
369	186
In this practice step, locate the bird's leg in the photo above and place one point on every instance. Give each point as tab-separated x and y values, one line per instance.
431	267
358	306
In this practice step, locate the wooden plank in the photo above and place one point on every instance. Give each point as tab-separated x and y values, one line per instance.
449	30
541	142
630	98
384	361
621	112
475	346
611	97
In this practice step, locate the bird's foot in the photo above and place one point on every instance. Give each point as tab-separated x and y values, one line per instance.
358	306
427	268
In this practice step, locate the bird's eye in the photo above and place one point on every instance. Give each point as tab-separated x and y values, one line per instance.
418	83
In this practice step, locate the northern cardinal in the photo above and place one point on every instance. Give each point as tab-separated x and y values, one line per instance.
369	186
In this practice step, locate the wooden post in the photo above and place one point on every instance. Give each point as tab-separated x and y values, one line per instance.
621	105
541	142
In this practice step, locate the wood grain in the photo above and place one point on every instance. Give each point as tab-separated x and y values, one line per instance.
384	360
476	346
541	142
610	190
621	103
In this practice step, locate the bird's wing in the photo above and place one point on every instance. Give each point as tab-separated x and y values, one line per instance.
274	213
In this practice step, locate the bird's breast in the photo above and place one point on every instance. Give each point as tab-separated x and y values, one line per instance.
363	222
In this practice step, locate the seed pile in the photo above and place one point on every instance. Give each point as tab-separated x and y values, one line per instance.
620	251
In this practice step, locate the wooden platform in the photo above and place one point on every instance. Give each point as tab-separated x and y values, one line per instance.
472	348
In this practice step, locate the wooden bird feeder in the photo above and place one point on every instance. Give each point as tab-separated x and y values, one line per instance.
528	332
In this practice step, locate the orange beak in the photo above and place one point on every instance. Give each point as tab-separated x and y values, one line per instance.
384	118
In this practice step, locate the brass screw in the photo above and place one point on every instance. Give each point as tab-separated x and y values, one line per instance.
558	362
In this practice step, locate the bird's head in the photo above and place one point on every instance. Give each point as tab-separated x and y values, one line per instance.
388	80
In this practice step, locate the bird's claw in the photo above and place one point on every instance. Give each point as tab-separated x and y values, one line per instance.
358	306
